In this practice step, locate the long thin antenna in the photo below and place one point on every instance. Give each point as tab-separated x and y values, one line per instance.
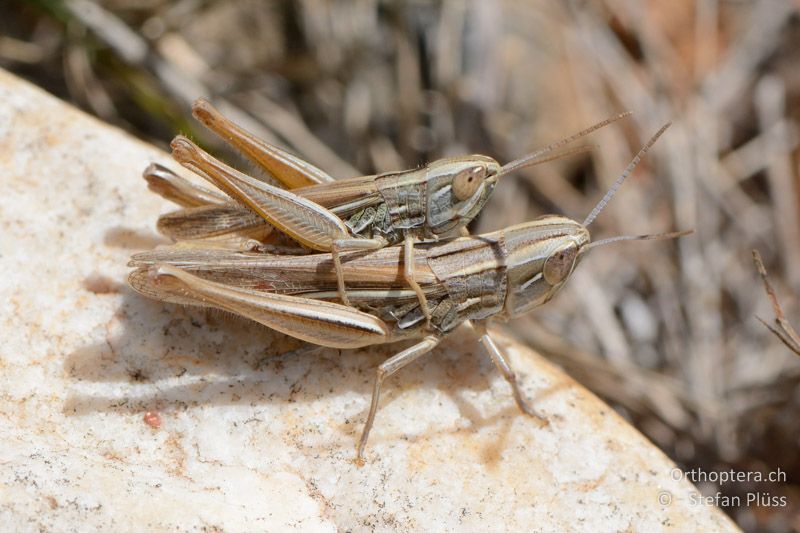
610	194
544	158
533	158
651	237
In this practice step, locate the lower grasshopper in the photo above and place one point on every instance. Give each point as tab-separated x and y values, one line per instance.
471	279
362	213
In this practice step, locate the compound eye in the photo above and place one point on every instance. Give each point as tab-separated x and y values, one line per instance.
560	263
467	182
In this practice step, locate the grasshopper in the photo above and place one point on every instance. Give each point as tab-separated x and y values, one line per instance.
472	279
355	214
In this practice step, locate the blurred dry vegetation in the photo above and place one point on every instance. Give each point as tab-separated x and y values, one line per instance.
666	331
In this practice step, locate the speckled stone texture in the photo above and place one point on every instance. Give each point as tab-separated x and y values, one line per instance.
120	413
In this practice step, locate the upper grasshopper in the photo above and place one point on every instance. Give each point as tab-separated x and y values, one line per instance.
362	213
498	275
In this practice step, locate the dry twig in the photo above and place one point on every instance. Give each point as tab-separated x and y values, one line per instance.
782	329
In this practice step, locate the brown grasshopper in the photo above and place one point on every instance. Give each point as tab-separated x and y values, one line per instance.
362	213
473	279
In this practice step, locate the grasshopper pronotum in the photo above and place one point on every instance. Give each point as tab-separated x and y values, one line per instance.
474	279
362	213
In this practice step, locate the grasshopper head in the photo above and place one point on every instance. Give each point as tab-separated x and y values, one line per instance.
542	254
541	257
458	188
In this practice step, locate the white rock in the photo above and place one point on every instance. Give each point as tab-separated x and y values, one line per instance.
82	359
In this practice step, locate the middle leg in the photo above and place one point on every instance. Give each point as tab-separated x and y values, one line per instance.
386	369
408	274
502	365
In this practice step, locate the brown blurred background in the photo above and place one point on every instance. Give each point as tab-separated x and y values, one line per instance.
665	331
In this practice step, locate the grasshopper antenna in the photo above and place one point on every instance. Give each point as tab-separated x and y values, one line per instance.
535	157
650	237
610	194
546	157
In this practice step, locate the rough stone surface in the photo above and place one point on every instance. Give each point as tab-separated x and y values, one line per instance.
121	413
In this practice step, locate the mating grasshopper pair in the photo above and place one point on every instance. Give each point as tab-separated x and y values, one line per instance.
434	202
393	292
